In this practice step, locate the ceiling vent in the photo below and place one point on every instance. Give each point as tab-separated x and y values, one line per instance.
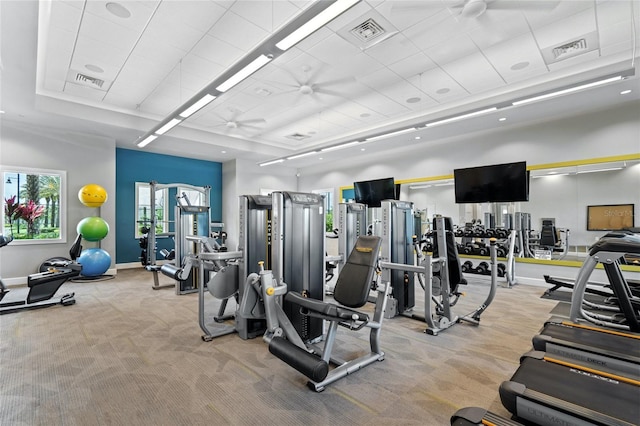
368	30
569	49
91	81
297	136
86	80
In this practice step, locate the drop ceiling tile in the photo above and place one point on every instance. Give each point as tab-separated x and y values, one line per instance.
201	67
384	77
65	16
413	65
474	73
165	56
259	13
452	50
215	50
616	39
141	12
538	18
405	14
434	30
236	31
498	28
382	104
393	49
334	50
199	15
166	31
103	55
440	86
105	32
521	53
566	29
403	93
359	66
614	12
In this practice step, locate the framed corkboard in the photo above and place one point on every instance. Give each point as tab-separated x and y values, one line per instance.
610	217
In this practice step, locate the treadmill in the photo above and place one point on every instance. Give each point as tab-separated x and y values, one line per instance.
471	416
611	351
545	392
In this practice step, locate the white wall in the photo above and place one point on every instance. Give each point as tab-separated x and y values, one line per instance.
86	159
242	177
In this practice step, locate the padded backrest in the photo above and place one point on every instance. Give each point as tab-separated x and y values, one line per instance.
548	235
354	282
453	260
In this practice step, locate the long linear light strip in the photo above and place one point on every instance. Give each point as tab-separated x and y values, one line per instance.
344	145
268	163
245	72
599	170
568	90
386	135
146	141
197	106
170	125
460	117
306	154
314	23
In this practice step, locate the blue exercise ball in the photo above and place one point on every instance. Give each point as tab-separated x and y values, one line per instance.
94	261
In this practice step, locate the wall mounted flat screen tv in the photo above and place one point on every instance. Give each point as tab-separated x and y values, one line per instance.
372	192
507	182
613	217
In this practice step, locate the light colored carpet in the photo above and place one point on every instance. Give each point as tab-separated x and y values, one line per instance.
125	354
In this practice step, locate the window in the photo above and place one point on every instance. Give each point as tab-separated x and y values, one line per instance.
144	212
33	204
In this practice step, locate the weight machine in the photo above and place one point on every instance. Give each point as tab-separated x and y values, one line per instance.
189	220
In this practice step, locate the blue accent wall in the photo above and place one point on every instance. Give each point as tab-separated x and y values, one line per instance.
137	166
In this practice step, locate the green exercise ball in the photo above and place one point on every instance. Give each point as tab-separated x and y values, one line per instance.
93	228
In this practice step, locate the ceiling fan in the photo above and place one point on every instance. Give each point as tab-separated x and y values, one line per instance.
309	84
232	123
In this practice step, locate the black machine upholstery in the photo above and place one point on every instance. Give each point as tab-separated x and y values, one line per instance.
453	260
353	284
548	235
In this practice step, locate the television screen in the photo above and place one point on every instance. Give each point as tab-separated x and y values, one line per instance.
496	183
612	217
372	192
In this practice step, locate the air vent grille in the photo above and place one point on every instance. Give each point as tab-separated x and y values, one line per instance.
368	30
570	49
82	78
297	136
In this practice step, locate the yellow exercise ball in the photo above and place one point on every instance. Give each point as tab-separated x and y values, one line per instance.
92	195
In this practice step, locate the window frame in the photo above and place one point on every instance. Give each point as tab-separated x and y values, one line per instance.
62	201
165	207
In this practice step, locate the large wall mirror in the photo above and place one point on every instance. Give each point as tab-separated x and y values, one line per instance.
582	199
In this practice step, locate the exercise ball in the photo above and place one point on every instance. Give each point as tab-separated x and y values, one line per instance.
94	261
93	228
92	195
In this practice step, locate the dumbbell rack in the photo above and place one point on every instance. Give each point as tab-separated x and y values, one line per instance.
471	247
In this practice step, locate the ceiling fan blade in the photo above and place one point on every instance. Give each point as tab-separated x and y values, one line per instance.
418	5
328	92
252	120
247	126
334	82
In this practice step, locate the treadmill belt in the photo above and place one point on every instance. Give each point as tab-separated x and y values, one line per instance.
605	341
616	399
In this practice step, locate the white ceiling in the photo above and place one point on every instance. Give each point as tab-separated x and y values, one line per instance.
432	62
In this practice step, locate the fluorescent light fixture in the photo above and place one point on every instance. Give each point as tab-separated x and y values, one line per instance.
170	125
443	184
293	157
268	163
419	186
599	170
386	135
245	72
461	117
197	106
568	90
344	145
147	140
314	23
625	92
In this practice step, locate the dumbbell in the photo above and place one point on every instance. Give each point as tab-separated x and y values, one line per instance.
467	267
502	269
483	268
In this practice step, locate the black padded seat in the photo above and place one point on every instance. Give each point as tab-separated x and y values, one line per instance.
623	244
